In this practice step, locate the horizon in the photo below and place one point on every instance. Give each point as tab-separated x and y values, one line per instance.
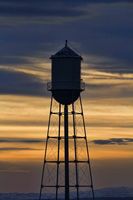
30	33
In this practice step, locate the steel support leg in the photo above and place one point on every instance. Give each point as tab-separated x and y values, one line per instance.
88	155
66	152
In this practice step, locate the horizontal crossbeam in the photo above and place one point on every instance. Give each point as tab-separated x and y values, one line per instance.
62	186
62	137
69	113
70	161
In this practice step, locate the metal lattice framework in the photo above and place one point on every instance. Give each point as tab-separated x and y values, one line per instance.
66	176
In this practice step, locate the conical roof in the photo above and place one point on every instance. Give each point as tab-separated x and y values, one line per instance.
66	52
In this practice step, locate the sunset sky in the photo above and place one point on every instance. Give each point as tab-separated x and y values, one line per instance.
32	30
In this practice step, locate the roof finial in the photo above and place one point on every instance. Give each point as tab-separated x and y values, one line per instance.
66	44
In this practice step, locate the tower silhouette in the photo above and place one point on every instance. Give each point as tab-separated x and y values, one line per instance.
66	172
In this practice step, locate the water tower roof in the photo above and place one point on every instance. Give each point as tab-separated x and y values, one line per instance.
66	52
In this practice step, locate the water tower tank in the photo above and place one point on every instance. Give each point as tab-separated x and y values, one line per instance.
66	75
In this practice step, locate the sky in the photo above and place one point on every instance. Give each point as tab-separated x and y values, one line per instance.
30	32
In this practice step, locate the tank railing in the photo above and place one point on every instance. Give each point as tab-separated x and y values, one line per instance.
82	84
49	85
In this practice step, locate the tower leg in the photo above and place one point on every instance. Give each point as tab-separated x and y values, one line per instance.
66	152
44	160
88	155
58	154
75	151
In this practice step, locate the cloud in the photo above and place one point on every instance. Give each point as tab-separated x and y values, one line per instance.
20	140
48	12
30	11
39	11
104	37
13	171
112	141
13	82
16	149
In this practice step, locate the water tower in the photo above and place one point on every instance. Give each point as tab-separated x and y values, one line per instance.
66	172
